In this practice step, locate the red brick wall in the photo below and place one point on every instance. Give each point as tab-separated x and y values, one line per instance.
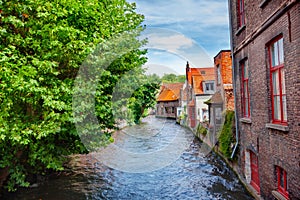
223	59
273	147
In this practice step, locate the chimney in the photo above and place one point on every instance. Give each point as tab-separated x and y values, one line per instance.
187	69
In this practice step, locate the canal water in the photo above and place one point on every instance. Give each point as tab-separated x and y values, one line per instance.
155	160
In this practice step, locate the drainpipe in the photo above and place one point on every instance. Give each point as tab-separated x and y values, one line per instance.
233	81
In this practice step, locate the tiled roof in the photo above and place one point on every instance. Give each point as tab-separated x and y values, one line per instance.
169	92
206	74
216	98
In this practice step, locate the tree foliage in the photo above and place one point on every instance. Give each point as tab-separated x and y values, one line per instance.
226	138
42	45
144	97
172	78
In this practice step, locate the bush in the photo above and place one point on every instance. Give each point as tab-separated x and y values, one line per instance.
226	137
201	130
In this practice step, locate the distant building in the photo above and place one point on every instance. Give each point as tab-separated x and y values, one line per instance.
223	98
200	84
168	100
265	39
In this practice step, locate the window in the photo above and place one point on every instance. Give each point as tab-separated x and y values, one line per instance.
241	13
205	114
218	75
277	77
209	87
282	181
245	90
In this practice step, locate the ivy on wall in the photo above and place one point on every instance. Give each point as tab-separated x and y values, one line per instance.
226	137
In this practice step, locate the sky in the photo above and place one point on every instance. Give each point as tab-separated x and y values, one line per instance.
183	30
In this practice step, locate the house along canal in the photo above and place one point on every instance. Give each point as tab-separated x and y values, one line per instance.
145	162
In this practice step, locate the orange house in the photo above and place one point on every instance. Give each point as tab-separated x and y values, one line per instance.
201	86
168	100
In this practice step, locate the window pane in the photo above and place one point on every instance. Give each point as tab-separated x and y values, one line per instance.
281	178
241	12
246	107
284	108
280	48
245	89
283	81
246	103
274	54
245	71
275	82
219	74
277	112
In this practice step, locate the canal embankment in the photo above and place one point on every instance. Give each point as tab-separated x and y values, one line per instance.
222	143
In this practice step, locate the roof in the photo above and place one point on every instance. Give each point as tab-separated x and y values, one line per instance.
169	92
222	51
206	74
216	98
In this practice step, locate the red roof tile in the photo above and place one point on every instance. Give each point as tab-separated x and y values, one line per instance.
200	75
169	92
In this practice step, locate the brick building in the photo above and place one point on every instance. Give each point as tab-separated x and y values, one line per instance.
223	99
168	100
200	83
265	40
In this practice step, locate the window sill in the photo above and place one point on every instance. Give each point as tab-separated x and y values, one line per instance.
240	30
246	120
278	196
277	127
263	3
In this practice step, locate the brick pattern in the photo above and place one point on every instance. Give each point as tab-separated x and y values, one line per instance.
224	62
273	147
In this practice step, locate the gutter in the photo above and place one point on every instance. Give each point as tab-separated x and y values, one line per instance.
234	82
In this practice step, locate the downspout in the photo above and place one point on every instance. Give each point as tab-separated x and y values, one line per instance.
233	81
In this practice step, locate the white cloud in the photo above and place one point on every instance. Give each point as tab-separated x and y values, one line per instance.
171	43
204	12
178	44
201	28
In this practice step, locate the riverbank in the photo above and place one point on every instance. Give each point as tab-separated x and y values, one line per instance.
231	163
190	175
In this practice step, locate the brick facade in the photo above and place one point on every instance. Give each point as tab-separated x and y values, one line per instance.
223	64
274	145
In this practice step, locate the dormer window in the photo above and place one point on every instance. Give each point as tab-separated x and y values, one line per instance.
209	87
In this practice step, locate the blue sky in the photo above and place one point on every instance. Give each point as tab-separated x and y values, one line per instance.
181	30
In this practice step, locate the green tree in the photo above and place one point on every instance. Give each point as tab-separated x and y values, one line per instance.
42	45
172	78
144	97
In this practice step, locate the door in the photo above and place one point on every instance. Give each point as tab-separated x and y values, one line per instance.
254	171
192	116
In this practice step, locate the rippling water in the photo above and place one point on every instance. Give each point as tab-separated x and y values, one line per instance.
194	174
